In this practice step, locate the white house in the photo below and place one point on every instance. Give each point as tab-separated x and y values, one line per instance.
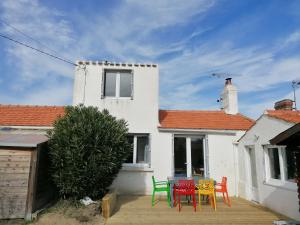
266	172
166	142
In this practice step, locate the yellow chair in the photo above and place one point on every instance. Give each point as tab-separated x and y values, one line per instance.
207	187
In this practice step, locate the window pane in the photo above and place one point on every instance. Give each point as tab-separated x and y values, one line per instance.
290	164
274	163
180	156
110	84
130	157
125	85
197	156
142	146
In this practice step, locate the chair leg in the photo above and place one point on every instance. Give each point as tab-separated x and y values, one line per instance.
194	202
168	198
228	200
174	199
179	205
215	202
211	199
224	200
153	194
199	198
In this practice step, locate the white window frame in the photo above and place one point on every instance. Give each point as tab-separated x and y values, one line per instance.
134	163
283	181
118	84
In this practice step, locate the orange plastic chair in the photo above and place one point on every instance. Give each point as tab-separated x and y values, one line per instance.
222	188
207	187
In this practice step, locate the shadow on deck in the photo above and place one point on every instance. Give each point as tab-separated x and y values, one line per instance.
138	210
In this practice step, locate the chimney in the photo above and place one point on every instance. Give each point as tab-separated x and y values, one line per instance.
229	98
285	104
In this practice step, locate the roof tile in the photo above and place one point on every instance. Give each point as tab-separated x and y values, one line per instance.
287	115
25	115
198	119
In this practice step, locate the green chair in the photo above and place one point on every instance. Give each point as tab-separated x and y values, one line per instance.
161	186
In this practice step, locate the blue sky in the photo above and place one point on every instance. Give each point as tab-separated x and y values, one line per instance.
257	42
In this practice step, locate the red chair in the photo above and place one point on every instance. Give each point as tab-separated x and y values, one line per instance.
222	188
187	188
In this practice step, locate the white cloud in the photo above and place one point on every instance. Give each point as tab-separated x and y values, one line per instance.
293	38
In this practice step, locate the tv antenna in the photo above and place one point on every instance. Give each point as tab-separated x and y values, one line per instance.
295	85
224	75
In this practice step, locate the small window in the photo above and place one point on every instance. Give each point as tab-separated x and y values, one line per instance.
117	83
140	153
274	163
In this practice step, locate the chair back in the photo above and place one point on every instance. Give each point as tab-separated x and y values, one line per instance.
186	184
224	183
206	186
153	181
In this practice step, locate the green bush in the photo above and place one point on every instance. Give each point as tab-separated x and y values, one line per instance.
87	149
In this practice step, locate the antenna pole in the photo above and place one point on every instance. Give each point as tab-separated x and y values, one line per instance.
295	97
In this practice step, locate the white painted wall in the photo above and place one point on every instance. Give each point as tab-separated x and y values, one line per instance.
141	112
282	198
223	160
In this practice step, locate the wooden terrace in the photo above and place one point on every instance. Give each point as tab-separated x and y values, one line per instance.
137	210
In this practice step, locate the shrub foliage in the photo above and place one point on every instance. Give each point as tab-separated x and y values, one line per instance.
87	149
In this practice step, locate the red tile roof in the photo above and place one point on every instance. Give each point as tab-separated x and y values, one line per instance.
24	115
286	115
215	120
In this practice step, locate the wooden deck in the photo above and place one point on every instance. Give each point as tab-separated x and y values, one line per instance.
138	210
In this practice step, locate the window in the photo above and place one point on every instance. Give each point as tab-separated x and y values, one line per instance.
140	149
274	163
117	83
280	164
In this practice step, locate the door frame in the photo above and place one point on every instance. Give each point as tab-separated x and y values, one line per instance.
252	192
189	152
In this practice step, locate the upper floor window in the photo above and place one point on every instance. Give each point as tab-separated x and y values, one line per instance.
118	83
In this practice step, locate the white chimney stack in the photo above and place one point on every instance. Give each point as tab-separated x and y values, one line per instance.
229	98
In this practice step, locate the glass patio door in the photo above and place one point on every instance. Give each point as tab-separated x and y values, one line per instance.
188	156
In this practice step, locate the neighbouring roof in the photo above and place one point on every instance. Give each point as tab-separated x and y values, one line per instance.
215	120
22	140
286	115
25	115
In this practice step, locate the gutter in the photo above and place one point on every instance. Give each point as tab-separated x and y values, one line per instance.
26	127
204	131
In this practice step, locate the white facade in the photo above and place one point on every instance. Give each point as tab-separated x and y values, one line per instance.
141	111
277	194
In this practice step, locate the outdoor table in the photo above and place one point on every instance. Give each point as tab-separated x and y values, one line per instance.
174	180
